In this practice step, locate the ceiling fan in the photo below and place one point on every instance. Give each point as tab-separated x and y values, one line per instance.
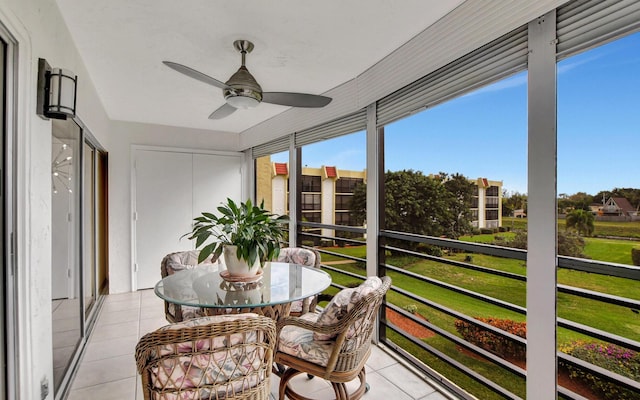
243	91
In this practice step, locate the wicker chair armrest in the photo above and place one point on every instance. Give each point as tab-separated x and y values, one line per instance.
332	329
310	325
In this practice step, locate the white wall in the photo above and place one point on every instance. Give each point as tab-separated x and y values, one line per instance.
328	204
40	31
124	135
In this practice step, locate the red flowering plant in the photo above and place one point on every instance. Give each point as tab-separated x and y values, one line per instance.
497	344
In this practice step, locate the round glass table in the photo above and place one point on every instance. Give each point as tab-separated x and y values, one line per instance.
271	294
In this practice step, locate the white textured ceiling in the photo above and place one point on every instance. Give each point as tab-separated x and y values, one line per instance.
300	46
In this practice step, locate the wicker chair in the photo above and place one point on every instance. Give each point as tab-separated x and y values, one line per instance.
171	264
302	256
334	346
217	357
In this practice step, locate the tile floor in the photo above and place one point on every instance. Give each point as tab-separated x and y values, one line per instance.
108	372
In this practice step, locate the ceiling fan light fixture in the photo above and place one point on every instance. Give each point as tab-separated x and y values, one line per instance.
243	102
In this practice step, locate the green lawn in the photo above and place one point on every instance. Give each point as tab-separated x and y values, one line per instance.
610	250
618	320
602	228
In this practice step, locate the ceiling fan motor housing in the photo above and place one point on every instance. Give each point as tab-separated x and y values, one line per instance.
244	91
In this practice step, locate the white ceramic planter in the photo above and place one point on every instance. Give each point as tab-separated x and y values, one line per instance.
238	267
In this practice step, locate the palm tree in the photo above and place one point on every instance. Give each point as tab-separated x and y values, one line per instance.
581	221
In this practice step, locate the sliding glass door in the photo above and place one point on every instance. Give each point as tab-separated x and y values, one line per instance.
3	266
79	248
65	229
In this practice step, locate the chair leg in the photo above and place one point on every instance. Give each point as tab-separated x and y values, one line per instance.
339	388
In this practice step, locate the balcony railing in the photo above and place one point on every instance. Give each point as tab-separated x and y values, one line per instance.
461	365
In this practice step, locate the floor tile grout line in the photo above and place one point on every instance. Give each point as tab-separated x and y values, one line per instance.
74	389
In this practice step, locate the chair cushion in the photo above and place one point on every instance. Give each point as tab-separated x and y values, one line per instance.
299	342
188	312
184	260
189	369
297	255
343	302
296	306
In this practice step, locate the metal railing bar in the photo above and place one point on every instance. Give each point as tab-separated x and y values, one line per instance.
598	334
606	298
322	251
340	271
457	289
468	345
482	248
346	228
432	373
568	394
335	238
459	264
456	364
596	267
459	315
600	372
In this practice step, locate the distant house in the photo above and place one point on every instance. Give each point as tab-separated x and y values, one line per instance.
619	206
519	213
595	208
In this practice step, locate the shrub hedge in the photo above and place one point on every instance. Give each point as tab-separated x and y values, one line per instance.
614	358
496	344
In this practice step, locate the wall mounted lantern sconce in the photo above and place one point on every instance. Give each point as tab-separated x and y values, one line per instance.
56	92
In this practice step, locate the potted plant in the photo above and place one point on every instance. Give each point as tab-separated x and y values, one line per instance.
248	234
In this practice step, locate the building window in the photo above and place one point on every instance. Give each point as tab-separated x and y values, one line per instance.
343	218
311	183
492	191
491	214
314	216
311	201
347	185
343	202
492	202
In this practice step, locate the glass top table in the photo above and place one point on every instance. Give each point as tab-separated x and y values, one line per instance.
272	294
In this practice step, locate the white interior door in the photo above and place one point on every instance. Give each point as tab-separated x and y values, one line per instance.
172	188
215	178
163	203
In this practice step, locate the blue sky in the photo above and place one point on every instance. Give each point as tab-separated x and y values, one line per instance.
484	133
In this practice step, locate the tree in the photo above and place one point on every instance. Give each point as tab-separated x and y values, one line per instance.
569	243
461	191
581	201
581	221
513	201
425	205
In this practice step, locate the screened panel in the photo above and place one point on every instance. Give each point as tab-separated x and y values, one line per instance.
275	146
504	56
583	24
338	127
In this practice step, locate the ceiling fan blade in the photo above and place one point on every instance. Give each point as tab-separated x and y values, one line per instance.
295	99
222	112
192	73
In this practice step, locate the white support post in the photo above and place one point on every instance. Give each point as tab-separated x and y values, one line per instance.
293	190
373	198
541	215
373	185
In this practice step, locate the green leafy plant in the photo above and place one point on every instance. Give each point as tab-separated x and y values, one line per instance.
255	231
